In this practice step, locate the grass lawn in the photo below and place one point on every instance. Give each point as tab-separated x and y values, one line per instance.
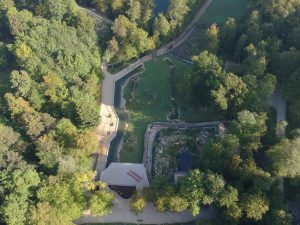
149	102
220	10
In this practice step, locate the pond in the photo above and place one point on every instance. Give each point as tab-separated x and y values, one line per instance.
161	6
184	161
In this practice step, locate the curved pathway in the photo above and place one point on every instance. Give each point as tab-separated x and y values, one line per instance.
109	120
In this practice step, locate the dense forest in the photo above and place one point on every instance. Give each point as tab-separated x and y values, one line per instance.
135	31
51	61
50	79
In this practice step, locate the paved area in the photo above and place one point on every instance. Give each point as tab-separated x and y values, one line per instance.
121	214
279	104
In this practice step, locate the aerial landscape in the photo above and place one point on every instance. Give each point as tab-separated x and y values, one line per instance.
129	112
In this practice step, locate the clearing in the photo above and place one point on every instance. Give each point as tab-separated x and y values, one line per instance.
220	10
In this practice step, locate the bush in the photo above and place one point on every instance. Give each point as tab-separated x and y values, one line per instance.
137	203
101	203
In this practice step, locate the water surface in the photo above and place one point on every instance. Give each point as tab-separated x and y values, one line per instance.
161	6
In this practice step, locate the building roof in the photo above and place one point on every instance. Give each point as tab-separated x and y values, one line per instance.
125	174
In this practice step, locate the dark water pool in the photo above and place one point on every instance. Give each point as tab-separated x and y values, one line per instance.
161	6
184	162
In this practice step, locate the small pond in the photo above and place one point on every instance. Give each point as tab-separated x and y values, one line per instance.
161	6
184	161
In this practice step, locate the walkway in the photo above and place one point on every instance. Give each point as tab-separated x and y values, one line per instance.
105	132
279	104
97	16
121	214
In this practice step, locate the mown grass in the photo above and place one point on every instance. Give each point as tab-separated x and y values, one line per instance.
220	10
149	102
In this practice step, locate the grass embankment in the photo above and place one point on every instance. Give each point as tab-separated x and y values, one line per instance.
148	100
220	10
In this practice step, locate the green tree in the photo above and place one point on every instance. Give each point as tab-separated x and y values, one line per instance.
228	34
54	88
231	93
87	141
278	217
176	12
18	185
213	38
253	29
35	123
177	204
49	151
255	206
161	25
285	158
233	212
15	209
259	92
3	55
137	203
53	9
101	202
228	196
22	82
11	139
65	132
249	127
86	109
201	188
134	10
218	153
64	198
112	49
132	40
45	214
